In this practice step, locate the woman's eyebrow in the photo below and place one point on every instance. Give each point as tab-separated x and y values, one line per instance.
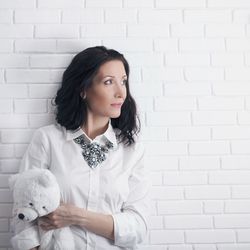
113	76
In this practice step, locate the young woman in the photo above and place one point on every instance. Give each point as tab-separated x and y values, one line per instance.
93	151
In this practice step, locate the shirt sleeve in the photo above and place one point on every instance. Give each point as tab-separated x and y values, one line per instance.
26	234
131	224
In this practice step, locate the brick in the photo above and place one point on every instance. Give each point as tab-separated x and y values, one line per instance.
209	148
83	16
103	30
205	247
5	239
243	235
241	16
184	89
166	236
74	46
188	221
20	150
24	45
180	4
166	44
38	120
139	90
184	178
180	247
237	74
5	196
174	103
240	146
50	61
37	16
16	31
187	30
241	192
153	133
167	148
199	163
239	206
139	3
231	88
6	151
141	30
43	90
165	193
156	178
9	166
235	162
203	74
156	222
225	30
5	106
244	117
187	59
4	225
162	73
6	45
121	16
229	177
56	31
13	121
4	182
129	44
214	117
168	118
207	16
144	104
160	16
101	4
13	90
202	44
162	162
232	221
229	3
16	136
60	4
237	44
220	103
5	210
210	236
19	4
28	76
231	132
14	61
189	133
179	207
30	106
227	59
207	192
5	16
213	207
147	59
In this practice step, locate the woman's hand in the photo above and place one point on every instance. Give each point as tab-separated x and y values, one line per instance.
65	215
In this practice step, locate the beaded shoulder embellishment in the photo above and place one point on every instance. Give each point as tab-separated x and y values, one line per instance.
93	153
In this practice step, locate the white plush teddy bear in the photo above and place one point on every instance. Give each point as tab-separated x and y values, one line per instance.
36	193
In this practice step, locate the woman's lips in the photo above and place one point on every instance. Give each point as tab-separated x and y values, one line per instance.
116	105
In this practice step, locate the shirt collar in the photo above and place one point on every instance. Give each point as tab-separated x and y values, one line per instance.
109	134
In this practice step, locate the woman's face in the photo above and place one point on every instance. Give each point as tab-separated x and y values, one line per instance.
108	88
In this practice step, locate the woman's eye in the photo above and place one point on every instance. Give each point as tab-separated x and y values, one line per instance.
108	81
125	81
31	204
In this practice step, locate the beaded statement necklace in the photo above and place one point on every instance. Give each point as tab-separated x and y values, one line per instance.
93	153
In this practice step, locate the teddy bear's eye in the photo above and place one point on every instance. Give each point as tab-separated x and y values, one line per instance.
31	204
44	207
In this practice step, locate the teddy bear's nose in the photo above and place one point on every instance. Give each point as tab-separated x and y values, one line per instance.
20	216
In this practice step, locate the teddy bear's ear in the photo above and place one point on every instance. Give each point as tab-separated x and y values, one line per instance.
45	179
12	180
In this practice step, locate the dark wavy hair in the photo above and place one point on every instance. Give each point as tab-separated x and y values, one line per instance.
71	110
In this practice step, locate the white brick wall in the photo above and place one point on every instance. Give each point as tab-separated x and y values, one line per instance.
190	76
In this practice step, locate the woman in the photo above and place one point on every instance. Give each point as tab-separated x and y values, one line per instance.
93	151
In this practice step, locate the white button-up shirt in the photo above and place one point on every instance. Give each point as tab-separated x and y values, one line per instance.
118	186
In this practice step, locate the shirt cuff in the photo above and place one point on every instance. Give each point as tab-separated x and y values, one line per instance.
26	239
129	229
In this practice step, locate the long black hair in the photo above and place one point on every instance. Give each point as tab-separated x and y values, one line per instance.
71	110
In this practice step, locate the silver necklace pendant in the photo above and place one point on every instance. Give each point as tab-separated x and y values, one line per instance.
93	153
